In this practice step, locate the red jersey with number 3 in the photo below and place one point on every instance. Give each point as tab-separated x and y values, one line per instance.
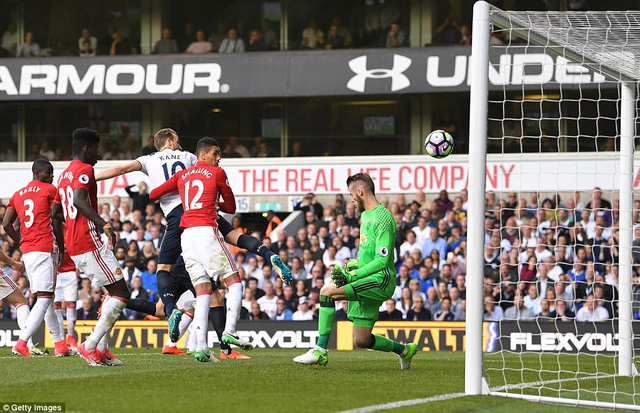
199	188
33	204
80	234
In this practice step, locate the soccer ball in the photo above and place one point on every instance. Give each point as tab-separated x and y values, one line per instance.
439	144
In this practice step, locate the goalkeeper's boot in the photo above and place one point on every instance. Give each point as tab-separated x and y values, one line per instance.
35	351
282	270
205	356
316	355
21	349
173	350
237	341
174	325
405	360
61	349
233	355
108	359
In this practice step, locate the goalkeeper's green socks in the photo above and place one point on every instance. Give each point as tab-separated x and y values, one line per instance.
325	320
381	343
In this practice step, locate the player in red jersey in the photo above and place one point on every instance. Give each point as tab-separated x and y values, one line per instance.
67	291
77	200
10	293
32	205
205	253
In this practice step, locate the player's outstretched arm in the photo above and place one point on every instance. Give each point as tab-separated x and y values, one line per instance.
119	170
165	188
10	217
81	202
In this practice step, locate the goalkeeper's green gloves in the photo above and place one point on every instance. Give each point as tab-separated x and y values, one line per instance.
353	264
342	277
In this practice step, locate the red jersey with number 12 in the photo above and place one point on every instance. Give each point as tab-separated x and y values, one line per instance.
199	188
80	234
33	204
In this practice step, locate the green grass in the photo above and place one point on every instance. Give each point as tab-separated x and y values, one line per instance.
271	382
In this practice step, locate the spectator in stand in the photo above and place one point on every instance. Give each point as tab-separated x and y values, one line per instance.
591	311
518	311
405	302
200	46
334	40
130	271
434	242
310	203
86	50
87	312
297	270
218	36
341	312
312	37
329	257
465	35
303	313
419	312
561	312
492	312
9	45
137	291
269	302
256	313
391	313
140	199
149	277
396	37
120	45
29	48
448	32
166	45
87	37
532	301
232	44
150	148
273	223
445	313
432	302
409	245
282	312
292	248
270	36
187	37
256	42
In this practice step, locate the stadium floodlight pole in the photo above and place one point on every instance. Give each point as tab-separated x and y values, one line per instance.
477	182
627	137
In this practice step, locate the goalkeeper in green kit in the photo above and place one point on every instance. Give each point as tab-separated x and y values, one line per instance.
365	284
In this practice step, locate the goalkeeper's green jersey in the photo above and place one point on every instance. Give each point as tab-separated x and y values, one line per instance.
377	244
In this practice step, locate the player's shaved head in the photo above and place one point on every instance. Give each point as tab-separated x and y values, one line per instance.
161	137
41	165
362	180
205	145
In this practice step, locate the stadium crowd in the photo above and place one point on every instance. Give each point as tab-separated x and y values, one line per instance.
544	259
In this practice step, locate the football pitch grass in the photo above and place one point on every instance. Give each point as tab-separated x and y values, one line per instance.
271	382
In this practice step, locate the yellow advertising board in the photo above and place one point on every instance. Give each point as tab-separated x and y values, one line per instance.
125	334
428	335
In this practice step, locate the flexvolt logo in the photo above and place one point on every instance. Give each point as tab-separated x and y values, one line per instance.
398	80
116	79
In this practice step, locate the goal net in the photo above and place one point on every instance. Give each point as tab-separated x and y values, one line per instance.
550	235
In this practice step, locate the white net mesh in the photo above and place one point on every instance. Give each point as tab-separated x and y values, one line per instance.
552	220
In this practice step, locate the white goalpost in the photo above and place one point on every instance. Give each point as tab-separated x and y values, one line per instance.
553	101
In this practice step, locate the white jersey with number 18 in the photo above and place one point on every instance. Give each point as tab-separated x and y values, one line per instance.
160	167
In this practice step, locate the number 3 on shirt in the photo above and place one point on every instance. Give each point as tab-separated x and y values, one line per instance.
68	209
28	211
199	187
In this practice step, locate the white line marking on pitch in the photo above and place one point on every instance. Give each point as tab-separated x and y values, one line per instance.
117	354
404	403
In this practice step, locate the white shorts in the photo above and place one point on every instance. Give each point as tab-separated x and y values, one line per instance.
206	255
186	301
100	265
7	286
41	270
67	287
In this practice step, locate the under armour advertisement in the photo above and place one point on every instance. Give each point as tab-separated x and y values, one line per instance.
286	74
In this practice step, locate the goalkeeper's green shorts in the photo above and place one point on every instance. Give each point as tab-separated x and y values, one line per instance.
365	298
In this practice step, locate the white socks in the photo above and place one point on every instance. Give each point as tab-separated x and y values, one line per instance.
111	310
201	320
50	317
185	322
234	303
60	316
22	313
35	318
72	315
192	339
